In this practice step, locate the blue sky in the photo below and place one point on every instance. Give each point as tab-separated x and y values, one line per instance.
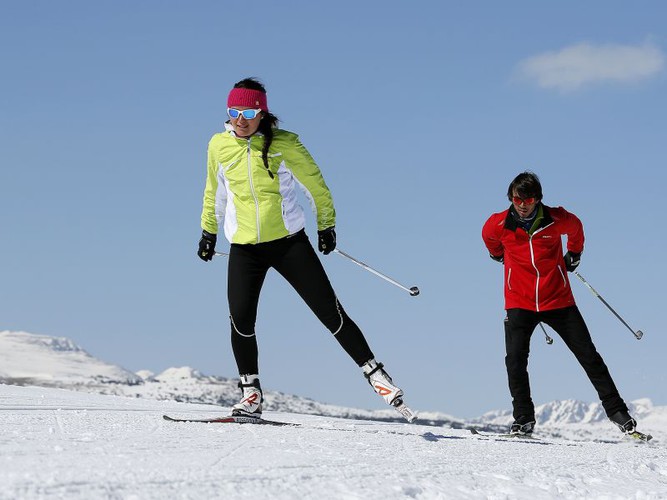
419	114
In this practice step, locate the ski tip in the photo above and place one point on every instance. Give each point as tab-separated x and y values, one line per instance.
412	418
404	410
640	436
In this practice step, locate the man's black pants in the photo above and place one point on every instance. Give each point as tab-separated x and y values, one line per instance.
570	325
295	259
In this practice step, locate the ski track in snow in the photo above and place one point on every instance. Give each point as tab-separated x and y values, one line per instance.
62	444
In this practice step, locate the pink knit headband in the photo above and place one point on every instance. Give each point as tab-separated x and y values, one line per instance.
250	98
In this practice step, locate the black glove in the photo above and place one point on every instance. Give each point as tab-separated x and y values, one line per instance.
207	246
326	240
498	258
572	260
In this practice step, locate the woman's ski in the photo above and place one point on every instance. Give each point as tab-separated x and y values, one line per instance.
231	419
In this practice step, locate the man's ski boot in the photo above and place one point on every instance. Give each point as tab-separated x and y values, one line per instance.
382	384
624	421
251	401
522	426
628	425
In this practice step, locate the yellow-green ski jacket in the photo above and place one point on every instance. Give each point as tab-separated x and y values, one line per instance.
255	204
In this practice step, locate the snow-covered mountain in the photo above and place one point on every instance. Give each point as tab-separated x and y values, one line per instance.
557	413
28	359
39	360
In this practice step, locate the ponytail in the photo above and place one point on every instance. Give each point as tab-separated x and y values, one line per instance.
269	121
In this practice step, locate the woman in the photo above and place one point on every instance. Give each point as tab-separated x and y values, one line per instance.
253	170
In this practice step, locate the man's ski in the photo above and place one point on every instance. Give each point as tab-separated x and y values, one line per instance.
518	437
232	419
640	436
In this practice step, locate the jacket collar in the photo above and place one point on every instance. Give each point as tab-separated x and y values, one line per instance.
230	129
512	217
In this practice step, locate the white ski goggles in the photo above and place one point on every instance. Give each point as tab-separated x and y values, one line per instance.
248	114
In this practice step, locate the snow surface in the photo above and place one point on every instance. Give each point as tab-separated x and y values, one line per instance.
63	444
75	427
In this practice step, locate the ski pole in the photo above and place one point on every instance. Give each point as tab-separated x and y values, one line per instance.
221	254
414	291
638	334
548	339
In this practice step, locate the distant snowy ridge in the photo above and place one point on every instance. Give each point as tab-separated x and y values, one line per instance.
568	411
40	360
29	359
188	385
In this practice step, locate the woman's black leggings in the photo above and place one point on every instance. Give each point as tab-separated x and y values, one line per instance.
295	259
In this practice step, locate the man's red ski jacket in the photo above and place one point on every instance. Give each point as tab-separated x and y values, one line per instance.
535	274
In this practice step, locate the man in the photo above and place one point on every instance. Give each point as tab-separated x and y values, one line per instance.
526	238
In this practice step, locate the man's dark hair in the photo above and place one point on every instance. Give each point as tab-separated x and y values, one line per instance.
526	185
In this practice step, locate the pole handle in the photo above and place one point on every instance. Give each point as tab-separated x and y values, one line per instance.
546	335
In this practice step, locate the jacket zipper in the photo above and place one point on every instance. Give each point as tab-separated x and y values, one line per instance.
532	260
537	281
252	190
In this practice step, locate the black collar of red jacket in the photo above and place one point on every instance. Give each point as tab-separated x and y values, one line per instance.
512	216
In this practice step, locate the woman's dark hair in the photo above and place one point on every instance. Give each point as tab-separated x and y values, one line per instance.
267	122
526	185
